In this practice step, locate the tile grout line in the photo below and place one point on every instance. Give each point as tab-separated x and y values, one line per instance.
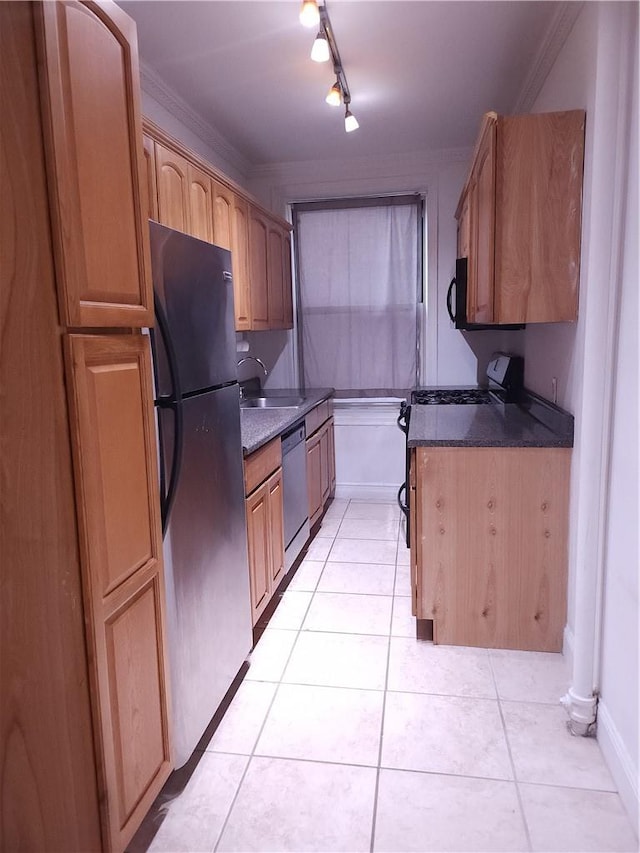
512	762
384	705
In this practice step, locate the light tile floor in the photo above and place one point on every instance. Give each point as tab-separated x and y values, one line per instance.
349	734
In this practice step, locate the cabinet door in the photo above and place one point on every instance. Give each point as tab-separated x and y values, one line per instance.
90	98
287	282
325	476
275	277
240	251
173	189
200	211
492	546
258	254
464	227
332	456
149	147
258	535
480	286
113	439
314	478
223	199
276	524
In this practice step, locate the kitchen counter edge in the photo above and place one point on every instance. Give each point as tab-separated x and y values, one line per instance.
258	426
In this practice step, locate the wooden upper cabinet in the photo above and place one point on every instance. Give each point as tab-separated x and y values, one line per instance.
93	138
240	261
149	148
258	268
519	219
275	276
223	203
200	207
482	233
173	189
287	281
113	439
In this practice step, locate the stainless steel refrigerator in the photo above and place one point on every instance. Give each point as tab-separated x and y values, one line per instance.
201	475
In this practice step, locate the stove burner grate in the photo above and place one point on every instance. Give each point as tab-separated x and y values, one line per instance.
458	396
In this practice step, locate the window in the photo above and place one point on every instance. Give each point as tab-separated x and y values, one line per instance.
359	286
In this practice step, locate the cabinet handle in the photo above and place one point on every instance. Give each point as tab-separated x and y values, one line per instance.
450	300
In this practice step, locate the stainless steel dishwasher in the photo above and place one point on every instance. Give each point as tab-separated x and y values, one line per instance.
294	492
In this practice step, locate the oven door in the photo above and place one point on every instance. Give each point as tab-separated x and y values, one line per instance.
404	491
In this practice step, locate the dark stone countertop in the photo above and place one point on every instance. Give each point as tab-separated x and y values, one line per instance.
531	423
258	426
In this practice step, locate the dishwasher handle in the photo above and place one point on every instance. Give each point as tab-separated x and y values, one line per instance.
293	437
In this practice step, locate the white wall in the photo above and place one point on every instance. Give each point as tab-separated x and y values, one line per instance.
592	73
618	711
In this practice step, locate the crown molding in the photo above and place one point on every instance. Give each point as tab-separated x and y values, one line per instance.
554	38
156	87
387	163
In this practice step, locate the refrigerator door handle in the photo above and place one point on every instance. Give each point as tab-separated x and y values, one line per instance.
174	403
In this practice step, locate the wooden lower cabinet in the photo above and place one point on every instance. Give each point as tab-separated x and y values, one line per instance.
113	437
321	468
489	545
265	527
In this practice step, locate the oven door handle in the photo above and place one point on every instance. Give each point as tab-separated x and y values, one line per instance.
403	506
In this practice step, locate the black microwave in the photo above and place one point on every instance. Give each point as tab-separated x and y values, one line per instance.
458	291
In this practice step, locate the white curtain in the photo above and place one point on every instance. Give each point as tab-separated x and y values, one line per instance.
358	280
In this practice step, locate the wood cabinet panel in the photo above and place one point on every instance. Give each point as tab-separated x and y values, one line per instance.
276	528
314	478
492	547
110	394
136	695
241	277
519	219
275	278
480	285
93	134
223	202
325	481
200	208
258	269
538	193
287	282
112	388
260	464
332	456
47	765
149	150
173	189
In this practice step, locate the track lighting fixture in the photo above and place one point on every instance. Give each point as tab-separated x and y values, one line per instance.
325	49
320	51
334	95
350	121
309	14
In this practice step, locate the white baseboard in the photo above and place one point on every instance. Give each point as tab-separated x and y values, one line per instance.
620	763
567	646
367	491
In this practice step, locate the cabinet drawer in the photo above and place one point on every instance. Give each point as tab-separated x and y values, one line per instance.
260	464
317	416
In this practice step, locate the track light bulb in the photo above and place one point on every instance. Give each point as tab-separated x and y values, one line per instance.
334	95
310	14
350	121
320	50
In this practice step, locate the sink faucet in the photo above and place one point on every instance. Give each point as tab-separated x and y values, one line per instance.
253	358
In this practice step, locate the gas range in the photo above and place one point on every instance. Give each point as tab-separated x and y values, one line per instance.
453	396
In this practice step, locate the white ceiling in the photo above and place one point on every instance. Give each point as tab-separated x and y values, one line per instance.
421	73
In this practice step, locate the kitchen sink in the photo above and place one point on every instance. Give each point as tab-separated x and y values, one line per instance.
272	402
